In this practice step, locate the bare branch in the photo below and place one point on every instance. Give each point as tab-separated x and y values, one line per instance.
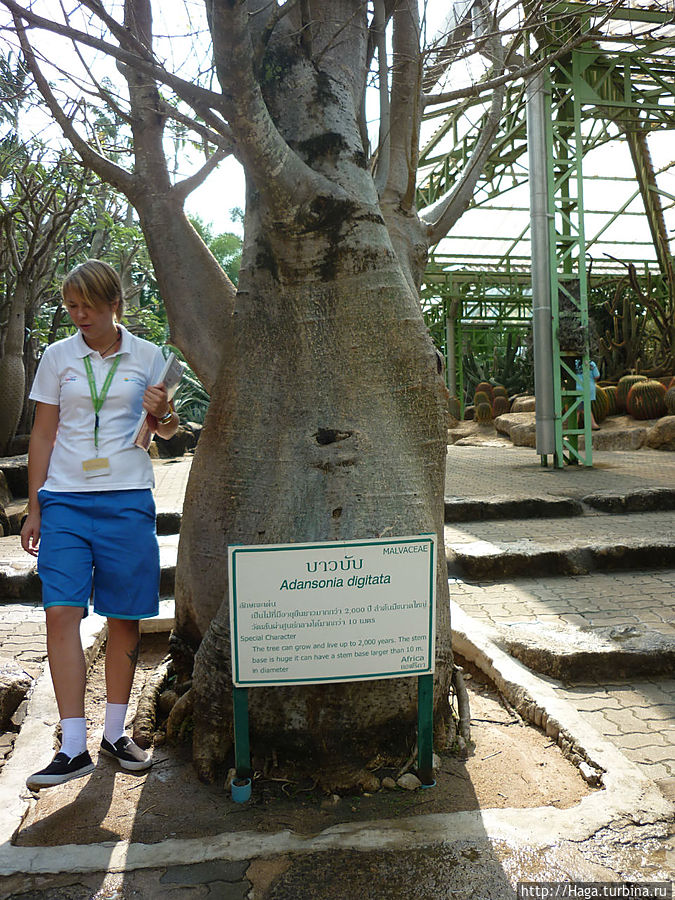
198	97
183	188
104	167
383	144
442	215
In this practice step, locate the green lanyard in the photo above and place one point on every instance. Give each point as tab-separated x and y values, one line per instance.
99	399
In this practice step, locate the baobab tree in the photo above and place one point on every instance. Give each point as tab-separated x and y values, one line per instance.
328	411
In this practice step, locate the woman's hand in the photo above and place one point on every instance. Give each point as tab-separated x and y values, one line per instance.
30	532
156	401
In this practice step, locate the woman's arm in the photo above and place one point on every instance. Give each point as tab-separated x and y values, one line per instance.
156	402
40	448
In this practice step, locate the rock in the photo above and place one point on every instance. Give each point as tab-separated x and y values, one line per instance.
510	420
5	525
661	436
182	440
196	429
462	430
15	469
14	685
409	782
629	439
589	774
524	435
5	494
523	404
18	445
20	714
388	784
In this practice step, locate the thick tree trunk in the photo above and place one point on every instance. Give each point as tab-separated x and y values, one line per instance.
331	428
328	420
12	374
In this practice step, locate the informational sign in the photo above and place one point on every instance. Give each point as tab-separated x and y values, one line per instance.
313	613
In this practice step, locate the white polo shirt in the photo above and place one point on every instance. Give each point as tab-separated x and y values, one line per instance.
61	380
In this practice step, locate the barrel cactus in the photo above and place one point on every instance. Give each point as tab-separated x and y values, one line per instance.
611	390
454	407
486	388
500	405
669	399
482	397
646	400
600	406
623	387
499	391
483	413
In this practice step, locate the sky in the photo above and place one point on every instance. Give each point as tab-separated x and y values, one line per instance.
224	189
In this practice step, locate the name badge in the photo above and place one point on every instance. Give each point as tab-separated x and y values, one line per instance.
92	468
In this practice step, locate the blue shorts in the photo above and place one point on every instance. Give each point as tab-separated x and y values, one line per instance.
105	540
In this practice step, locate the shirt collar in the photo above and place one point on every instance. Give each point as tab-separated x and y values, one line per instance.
82	349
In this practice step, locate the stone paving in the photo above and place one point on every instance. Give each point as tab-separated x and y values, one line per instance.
638	716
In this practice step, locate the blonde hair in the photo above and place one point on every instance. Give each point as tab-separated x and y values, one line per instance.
95	282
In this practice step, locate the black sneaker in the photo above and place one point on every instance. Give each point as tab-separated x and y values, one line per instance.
62	768
127	753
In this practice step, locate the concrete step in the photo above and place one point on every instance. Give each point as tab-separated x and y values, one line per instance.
489	550
604	625
18	571
168	520
528	506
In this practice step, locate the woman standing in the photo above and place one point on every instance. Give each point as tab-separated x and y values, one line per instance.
91	509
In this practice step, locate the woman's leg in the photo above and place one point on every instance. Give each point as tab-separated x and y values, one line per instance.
66	659
121	656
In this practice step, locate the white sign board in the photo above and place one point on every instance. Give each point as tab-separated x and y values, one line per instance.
313	613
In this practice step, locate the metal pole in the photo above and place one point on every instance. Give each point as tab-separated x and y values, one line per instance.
541	272
425	729
242	747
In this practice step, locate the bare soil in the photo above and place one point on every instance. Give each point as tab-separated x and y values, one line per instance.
511	765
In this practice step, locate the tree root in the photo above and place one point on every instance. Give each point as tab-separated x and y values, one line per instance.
145	719
463	709
180	717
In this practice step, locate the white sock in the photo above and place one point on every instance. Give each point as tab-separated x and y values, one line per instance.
115	714
73	736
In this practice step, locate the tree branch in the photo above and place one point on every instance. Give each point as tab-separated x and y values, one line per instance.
406	106
104	167
442	215
201	99
182	189
384	142
276	169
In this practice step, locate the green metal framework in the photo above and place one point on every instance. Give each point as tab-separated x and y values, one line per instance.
601	92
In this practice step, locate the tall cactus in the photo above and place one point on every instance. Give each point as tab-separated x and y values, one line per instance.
646	400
